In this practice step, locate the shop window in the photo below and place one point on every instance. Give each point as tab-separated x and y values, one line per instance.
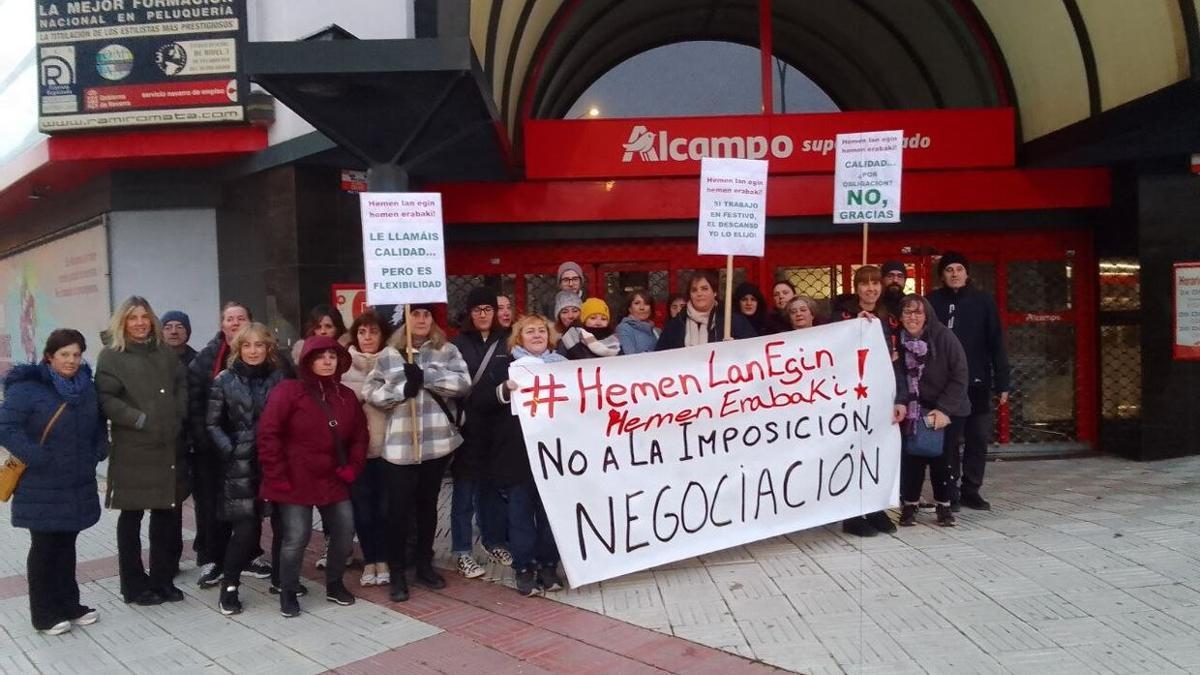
818	283
618	284
540	290
681	280
1121	372
1042	404
1120	285
458	286
1039	286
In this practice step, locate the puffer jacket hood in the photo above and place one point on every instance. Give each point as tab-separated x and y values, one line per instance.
316	344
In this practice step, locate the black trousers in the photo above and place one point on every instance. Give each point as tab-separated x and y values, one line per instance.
166	547
412	491
50	570
967	444
211	535
912	477
244	547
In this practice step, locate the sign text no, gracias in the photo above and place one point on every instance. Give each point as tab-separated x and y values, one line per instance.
404	258
646	459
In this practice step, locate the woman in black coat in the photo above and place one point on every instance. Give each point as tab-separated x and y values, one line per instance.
235	402
932	368
50	420
702	320
481	343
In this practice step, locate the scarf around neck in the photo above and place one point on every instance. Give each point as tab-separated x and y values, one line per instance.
696	325
71	388
548	356
916	353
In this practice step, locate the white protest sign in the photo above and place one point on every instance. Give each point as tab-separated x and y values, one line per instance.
403	254
733	206
646	459
866	178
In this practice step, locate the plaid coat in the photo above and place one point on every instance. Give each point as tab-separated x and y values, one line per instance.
446	375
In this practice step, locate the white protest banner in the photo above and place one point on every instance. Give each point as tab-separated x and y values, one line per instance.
866	178
403	254
733	206
646	459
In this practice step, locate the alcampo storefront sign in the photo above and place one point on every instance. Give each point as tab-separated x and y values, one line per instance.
674	146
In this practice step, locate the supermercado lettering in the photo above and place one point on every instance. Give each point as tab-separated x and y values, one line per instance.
646	459
795	143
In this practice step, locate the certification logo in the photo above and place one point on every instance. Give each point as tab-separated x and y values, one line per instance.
171	58
56	74
114	62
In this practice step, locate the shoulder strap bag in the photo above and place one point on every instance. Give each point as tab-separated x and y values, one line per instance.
338	448
10	472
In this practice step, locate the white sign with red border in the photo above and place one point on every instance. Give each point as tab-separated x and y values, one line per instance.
733	206
866	178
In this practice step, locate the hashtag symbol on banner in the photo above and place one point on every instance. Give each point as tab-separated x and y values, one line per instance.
543	393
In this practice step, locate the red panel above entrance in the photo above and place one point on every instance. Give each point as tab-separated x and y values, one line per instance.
672	146
679	198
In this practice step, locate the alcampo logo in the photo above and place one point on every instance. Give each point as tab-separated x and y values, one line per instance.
650	146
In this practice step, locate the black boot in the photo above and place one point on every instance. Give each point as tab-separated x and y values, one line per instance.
399	592
945	517
229	603
859	527
429	577
289	606
881	521
908	515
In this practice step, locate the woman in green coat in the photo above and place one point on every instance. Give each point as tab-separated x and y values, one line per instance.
143	392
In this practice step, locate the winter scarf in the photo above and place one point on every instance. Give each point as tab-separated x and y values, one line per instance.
696	326
548	356
71	389
916	353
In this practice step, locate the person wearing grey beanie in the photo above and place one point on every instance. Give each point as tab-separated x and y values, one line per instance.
566	310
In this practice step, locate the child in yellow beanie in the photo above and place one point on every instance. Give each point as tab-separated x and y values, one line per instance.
595	338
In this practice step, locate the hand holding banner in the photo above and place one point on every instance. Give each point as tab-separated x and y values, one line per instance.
724	444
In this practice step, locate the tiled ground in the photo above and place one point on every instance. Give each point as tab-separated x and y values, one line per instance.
1084	566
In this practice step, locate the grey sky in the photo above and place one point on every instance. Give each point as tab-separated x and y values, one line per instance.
694	78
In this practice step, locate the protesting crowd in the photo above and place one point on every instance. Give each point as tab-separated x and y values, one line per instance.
362	423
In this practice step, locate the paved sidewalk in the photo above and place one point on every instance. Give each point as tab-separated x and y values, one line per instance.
1085	566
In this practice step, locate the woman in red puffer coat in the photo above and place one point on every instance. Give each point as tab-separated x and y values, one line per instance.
312	444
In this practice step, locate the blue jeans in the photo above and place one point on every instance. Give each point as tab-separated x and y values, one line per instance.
479	499
369	498
528	528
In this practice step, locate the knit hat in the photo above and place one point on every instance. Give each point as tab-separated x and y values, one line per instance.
482	295
569	266
176	315
563	300
894	266
949	258
594	306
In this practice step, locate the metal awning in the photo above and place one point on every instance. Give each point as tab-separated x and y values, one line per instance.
420	105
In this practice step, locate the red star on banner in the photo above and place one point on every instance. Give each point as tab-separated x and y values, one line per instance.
861	390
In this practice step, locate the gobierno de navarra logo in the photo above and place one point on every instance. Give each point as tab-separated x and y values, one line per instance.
660	146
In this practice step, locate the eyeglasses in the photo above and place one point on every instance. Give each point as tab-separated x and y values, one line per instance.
571	278
913	312
483	310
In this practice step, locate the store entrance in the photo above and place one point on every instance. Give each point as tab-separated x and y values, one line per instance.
1042	283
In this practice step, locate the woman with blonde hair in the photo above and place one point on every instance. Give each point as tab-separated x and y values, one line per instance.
415	459
143	392
534	553
801	312
235	403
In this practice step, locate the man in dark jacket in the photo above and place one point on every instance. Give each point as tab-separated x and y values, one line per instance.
973	317
177	330
212	535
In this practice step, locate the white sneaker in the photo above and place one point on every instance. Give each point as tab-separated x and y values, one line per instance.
468	567
57	629
501	556
383	575
323	560
368	577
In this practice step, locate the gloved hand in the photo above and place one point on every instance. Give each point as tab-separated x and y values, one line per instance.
414	379
346	473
